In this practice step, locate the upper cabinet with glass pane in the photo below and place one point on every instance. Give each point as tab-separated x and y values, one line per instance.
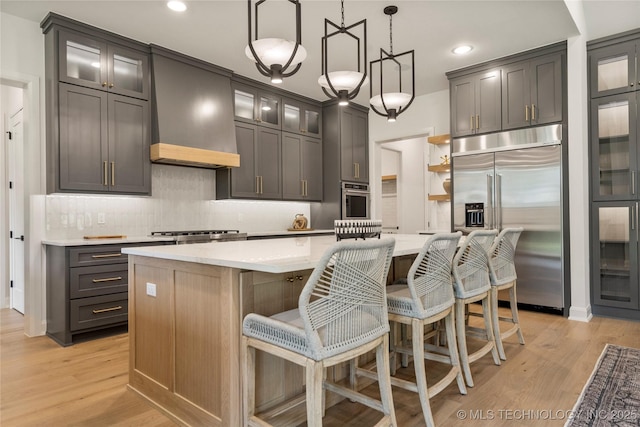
300	117
92	62
613	69
252	105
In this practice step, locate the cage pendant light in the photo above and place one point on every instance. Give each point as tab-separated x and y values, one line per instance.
389	103
275	57
344	85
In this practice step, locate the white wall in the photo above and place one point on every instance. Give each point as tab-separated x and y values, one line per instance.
22	64
428	115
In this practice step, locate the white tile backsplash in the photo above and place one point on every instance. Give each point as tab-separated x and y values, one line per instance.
182	199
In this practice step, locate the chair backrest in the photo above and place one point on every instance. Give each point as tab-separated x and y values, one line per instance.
471	264
344	303
429	278
501	256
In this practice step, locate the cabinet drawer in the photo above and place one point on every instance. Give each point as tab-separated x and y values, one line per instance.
97	280
96	255
92	312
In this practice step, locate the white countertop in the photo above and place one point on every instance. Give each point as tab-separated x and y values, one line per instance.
268	255
91	242
288	233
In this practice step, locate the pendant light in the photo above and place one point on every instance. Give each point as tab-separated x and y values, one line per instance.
390	103
274	57
344	85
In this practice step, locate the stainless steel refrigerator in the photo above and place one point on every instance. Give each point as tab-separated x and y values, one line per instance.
514	179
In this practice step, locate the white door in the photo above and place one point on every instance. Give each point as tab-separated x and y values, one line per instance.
16	210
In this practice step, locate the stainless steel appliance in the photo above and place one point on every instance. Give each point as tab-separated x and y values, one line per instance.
355	201
202	236
514	179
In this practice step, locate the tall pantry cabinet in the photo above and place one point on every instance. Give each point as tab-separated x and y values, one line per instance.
614	84
98	116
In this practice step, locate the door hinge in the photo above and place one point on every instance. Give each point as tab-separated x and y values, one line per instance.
11	283
11	234
10	185
10	134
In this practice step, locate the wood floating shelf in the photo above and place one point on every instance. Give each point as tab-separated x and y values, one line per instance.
439	197
439	139
438	168
389	177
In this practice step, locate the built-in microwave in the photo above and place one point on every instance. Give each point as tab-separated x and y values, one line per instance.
355	201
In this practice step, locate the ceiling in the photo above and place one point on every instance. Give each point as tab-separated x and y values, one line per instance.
216	31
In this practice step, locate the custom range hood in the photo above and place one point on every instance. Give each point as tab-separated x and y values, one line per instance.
192	112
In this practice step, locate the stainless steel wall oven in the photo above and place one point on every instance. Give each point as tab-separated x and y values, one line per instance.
356	203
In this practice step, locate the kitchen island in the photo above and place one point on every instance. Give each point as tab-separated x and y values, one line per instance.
186	305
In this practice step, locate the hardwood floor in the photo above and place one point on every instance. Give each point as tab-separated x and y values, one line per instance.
43	384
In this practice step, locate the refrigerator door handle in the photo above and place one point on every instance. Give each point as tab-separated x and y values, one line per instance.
499	201
489	201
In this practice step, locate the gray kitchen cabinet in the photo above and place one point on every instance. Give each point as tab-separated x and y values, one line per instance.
254	105
532	92
98	117
612	66
347	135
475	103
615	274
301	167
301	117
258	176
87	289
93	62
103	142
615	151
614	155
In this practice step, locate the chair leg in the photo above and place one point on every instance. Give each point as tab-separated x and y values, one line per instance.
417	330
249	380
314	371
462	341
496	322
404	358
488	325
514	311
449	324
393	336
384	380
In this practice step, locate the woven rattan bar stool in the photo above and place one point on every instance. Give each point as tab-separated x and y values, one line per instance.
341	314
425	300
471	284
503	276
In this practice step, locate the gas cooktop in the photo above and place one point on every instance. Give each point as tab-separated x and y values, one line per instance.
202	236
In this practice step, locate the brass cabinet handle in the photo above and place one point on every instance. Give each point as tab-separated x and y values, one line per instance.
110	85
106	255
533	111
113	174
104	84
290	279
107	279
257	184
261	185
104	173
302	186
477	121
306	187
471	123
299	277
633	182
526	113
106	310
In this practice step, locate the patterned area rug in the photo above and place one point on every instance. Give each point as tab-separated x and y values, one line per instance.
611	397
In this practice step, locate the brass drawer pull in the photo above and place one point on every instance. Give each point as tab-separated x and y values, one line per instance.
113	174
106	310
533	111
107	279
104	174
106	255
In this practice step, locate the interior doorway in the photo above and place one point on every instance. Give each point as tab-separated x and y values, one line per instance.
12	249
390	206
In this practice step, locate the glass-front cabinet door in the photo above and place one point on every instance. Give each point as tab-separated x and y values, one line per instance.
613	69
302	118
252	105
83	61
614	151
615	252
92	63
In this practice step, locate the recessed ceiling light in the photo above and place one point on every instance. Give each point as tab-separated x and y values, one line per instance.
463	49
177	6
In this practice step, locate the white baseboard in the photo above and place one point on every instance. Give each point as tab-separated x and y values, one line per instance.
580	314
